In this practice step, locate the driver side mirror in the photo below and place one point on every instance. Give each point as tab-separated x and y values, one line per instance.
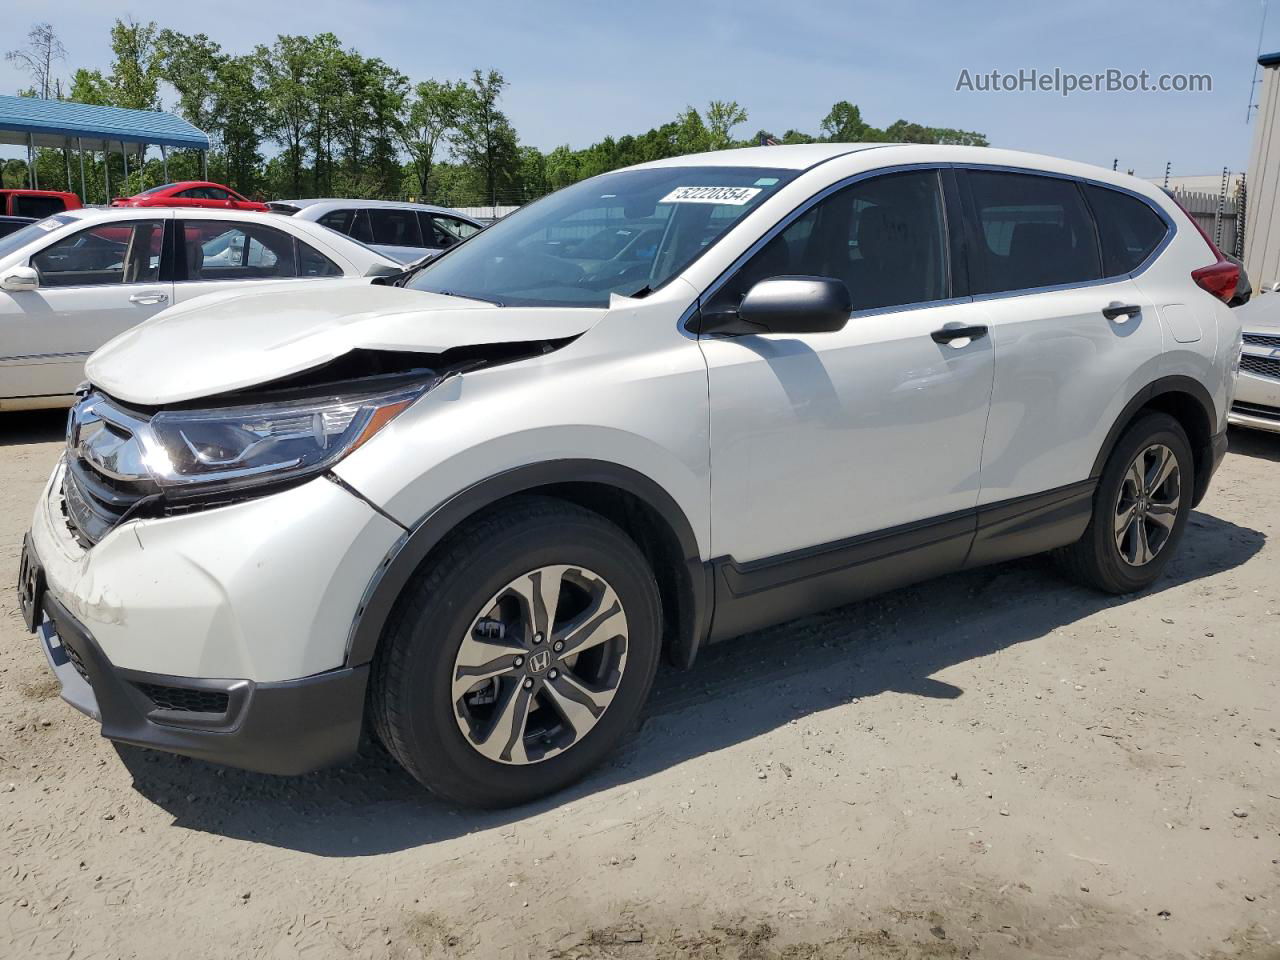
786	305
20	279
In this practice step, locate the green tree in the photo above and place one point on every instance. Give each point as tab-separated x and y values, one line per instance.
238	104
433	115
190	65
844	124
90	86
485	139
135	71
722	117
282	72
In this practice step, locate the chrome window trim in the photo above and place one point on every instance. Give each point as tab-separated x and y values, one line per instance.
1171	231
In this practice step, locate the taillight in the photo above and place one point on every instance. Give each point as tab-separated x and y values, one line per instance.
1219	279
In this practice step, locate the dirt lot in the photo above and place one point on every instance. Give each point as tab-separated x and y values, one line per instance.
995	764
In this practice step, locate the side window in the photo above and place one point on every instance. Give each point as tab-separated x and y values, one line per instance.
1129	229
359	227
459	228
313	263
195	193
227	250
398	228
434	233
883	237
213	193
121	252
339	220
1031	232
38	207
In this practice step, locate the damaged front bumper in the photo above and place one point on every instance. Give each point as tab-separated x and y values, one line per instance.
218	634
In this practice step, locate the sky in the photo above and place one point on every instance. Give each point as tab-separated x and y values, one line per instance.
580	71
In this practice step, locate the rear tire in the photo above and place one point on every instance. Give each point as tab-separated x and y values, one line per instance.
555	615
1140	509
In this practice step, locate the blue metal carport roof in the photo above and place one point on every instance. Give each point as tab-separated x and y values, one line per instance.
58	123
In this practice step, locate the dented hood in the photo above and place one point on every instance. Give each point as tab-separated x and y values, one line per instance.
229	341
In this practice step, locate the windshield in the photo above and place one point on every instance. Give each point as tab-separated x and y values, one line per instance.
623	233
159	189
32	231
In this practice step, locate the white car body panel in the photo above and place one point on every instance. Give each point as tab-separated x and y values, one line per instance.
47	333
1259	387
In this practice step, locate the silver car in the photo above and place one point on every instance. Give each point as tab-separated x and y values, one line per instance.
1257	402
402	231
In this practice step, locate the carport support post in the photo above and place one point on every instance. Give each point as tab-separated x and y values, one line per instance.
164	160
66	155
204	164
33	179
84	197
124	155
106	167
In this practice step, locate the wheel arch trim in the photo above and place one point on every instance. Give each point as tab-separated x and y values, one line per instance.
1157	388
409	551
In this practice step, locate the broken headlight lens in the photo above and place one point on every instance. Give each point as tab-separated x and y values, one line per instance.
266	443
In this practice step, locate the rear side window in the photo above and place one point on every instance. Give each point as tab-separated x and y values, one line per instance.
225	250
339	220
1031	231
397	228
37	206
313	263
1129	230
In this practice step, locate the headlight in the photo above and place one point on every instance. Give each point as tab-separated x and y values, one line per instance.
233	447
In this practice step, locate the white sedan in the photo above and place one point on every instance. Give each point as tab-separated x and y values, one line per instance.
71	282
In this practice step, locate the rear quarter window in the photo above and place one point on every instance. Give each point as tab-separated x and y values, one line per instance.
1129	229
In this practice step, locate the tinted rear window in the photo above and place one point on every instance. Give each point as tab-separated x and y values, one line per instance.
1032	232
37	206
1129	229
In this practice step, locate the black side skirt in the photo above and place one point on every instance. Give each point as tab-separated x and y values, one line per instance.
749	596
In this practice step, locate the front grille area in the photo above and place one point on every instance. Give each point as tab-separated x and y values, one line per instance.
1262	340
93	503
1256	410
1261	366
185	699
104	480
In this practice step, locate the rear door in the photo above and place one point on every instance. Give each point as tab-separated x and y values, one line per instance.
1073	343
94	284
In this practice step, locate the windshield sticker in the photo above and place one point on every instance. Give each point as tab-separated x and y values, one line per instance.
766	181
53	223
734	196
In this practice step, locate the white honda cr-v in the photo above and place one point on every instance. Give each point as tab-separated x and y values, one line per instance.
470	507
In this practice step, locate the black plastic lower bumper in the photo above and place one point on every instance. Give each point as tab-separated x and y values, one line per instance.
290	727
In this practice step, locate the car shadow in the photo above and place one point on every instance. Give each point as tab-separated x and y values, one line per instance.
32	426
737	691
1255	443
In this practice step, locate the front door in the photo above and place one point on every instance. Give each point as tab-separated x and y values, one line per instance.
94	284
831	449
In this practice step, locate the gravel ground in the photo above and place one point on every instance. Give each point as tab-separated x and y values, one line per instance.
995	764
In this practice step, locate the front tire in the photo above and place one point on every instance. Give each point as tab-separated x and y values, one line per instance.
1140	509
516	662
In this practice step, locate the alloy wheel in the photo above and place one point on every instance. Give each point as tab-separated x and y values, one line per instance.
1147	506
540	664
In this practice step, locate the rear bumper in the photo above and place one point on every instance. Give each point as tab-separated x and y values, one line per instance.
288	727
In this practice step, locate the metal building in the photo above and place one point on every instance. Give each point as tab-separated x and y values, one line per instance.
68	126
1262	201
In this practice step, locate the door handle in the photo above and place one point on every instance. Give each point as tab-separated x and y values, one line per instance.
952	334
149	298
1121	312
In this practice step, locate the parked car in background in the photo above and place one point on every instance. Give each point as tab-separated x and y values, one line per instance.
71	282
10	225
403	231
191	193
654	410
37	203
1257	401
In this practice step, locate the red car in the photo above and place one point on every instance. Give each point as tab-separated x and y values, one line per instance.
191	193
36	203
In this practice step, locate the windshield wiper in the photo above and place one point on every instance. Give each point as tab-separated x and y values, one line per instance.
641	293
468	296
